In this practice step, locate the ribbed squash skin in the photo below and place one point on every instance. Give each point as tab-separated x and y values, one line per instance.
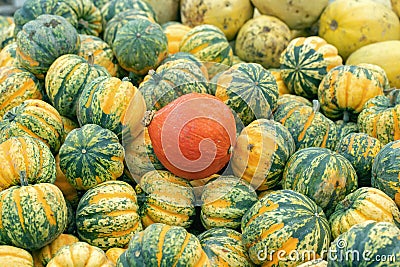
215	243
69	125
81	146
66	79
385	170
209	44
321	174
224	202
308	126
164	246
35	118
282	89
8	55
170	81
284	220
140	45
32	216
186	56
305	61
69	192
380	119
169	199
249	89
88	16
43	40
80	254
364	204
374	240
29	155
348	87
16	257
7	35
102	53
46	253
114	253
344	128
360	149
107	215
121	19
175	31
17	85
105	101
282	99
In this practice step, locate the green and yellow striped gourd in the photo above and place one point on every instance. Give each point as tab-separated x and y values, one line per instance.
8	55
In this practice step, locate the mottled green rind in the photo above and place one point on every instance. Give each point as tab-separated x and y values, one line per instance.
344	128
321	174
288	217
107	216
184	55
224	245
32	216
91	155
385	170
374	240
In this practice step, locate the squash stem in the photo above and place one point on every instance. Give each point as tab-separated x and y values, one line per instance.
155	76
393	97
346	116
90	58
316	105
23	179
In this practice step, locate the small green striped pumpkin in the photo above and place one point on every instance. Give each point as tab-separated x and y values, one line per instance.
161	245
366	203
284	220
29	155
31	216
91	155
224	202
107	215
375	243
321	174
345	126
360	149
224	247
17	85
43	40
187	56
35	118
304	62
168	199
285	98
8	55
66	79
385	170
140	45
249	89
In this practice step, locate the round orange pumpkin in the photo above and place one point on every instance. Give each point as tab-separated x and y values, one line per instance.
192	135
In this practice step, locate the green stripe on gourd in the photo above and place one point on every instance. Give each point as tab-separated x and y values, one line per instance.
89	19
107	215
282	99
249	89
360	149
66	79
224	247
224	202
140	45
186	56
91	155
8	55
321	174
288	220
345	126
385	170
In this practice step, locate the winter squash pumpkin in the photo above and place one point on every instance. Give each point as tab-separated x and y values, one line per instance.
8	55
260	153
168	199
348	87
35	118
16	257
224	202
359	23
43	40
175	31
186	56
298	100
80	254
69	125
305	61
114	253
184	249
228	16
345	126
224	247
200	130
272	224
85	143
282	89
385	170
32	216
66	79
360	149
249	89
107	215
262	40
140	45
364	204
17	85
7	35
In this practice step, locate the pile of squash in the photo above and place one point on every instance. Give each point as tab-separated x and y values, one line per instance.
200	133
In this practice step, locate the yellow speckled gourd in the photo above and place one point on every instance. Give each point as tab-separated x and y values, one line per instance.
174	31
114	253
15	257
8	56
